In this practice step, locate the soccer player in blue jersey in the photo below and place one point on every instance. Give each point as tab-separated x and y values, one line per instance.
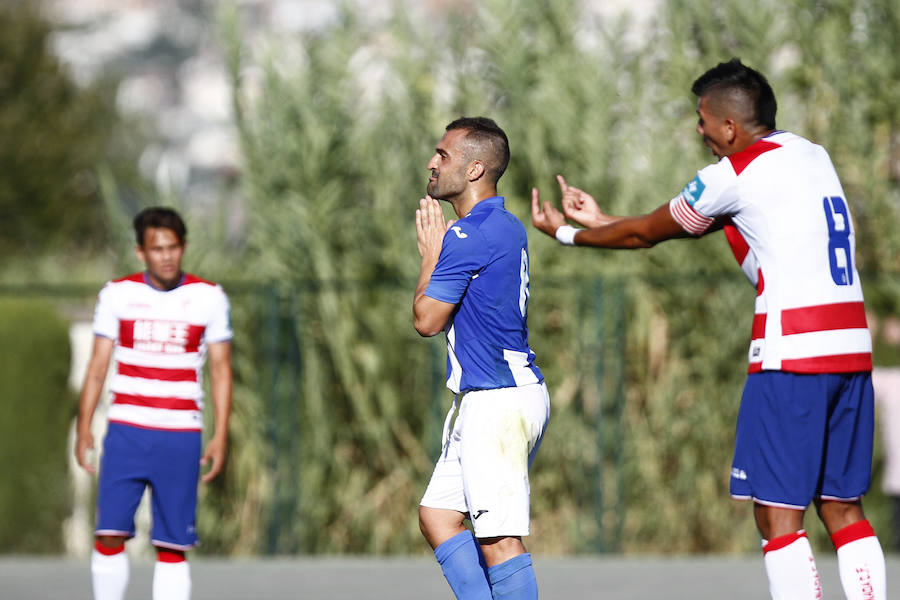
473	285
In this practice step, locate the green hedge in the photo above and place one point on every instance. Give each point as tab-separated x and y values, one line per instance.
36	408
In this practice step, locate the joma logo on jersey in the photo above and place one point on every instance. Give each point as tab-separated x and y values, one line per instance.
693	190
459	232
160	336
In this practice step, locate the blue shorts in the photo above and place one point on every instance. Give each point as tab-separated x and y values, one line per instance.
802	436
167	461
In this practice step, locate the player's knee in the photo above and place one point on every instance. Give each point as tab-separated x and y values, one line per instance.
437	525
837	514
774	521
430	522
111	541
423	522
169	555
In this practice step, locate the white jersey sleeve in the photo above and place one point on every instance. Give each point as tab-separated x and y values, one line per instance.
712	193
219	327
106	322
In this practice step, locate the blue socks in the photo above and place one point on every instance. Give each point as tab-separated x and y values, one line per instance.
470	579
464	567
514	579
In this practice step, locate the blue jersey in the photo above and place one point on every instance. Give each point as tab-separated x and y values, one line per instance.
483	269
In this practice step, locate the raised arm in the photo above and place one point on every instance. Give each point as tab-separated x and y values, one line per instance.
579	206
94	379
430	316
221	383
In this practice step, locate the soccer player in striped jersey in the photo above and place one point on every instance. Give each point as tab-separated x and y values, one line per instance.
804	431
473	285
159	325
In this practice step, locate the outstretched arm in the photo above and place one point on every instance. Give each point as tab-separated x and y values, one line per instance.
644	231
429	315
605	231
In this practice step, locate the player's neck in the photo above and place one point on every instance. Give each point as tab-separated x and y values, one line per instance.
748	138
164	286
465	202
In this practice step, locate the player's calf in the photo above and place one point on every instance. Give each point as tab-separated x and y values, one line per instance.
860	562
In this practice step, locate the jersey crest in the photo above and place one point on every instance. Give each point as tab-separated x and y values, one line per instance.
693	190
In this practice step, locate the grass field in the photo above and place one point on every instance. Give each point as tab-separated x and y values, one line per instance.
606	578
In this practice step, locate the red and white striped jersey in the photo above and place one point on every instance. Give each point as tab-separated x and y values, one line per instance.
791	231
161	339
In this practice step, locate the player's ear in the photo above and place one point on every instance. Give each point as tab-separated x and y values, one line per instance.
139	252
731	129
476	170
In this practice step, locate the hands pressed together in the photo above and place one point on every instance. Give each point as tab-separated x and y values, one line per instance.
430	227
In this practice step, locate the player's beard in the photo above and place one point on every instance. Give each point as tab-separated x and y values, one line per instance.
446	188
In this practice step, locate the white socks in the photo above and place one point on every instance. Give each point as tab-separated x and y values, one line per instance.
109	572
860	562
792	568
171	577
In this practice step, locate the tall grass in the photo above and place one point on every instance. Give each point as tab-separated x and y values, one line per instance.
338	414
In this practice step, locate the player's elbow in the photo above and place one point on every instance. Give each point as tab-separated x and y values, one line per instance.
430	316
647	238
426	328
638	241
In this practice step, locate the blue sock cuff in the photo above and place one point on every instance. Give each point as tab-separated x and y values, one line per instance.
509	567
445	550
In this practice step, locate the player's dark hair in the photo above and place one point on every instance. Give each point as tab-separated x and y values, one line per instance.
487	133
160	217
734	75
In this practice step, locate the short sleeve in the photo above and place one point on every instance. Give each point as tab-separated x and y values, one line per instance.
712	193
462	256
219	327
106	322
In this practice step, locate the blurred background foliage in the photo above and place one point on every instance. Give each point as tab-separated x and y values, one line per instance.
35	496
60	141
339	404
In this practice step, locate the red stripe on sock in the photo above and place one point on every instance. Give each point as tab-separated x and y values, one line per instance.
783	540
106	550
851	533
169	556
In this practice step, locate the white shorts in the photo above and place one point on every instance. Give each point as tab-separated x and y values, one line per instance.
483	468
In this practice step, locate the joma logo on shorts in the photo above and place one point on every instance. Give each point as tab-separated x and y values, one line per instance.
739	474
